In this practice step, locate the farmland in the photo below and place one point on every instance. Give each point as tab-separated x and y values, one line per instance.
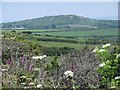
72	39
75	33
80	33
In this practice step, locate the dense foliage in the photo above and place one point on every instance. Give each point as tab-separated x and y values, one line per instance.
23	69
109	70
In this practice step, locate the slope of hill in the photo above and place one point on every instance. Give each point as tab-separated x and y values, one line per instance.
60	22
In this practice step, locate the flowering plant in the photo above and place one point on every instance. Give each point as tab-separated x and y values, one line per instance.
109	69
68	74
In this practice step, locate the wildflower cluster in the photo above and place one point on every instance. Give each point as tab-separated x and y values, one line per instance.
39	85
19	67
68	73
103	49
109	66
118	77
102	65
106	45
39	57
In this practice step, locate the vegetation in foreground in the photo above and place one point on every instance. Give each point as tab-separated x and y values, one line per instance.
25	66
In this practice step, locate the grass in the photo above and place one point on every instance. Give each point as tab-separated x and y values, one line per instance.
80	36
78	33
59	44
81	33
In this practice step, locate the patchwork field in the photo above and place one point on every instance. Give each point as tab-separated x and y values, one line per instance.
79	33
73	39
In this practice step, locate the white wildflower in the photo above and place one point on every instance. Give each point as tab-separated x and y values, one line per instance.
106	45
44	56
26	87
31	83
118	77
35	69
68	73
39	85
4	69
102	50
23	83
23	77
39	57
102	64
95	50
118	55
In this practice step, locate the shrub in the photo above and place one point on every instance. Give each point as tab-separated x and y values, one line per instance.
109	69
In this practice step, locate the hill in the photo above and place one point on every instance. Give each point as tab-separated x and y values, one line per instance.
61	22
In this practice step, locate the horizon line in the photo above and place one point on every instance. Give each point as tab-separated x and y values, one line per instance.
96	18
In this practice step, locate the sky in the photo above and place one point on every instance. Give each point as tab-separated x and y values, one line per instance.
60	0
16	11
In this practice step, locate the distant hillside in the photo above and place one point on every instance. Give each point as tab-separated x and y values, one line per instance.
60	22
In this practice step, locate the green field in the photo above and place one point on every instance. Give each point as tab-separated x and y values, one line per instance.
59	44
92	32
81	33
58	38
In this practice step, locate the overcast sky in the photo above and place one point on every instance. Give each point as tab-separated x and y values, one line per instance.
15	11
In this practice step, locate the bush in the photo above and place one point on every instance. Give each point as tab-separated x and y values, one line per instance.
27	32
109	69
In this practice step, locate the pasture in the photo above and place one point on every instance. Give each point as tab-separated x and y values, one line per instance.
73	39
73	33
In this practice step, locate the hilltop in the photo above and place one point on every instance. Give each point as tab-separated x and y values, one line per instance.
60	22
